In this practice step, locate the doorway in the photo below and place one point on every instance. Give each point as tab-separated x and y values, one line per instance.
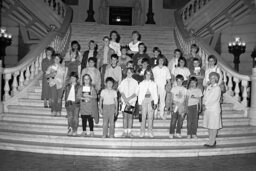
120	15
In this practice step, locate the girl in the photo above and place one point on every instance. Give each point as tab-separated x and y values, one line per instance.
114	42
127	89
134	44
94	74
74	52
88	104
173	63
147	100
123	60
137	58
194	106
212	111
48	61
198	72
56	77
157	53
92	52
194	49
182	70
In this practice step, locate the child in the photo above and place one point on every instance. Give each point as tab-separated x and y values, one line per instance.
115	42
182	70
194	106
139	76
74	52
123	60
48	61
134	44
91	53
147	100
198	72
72	104
162	77
127	89
173	63
88	104
178	94
93	72
114	71
108	107
137	58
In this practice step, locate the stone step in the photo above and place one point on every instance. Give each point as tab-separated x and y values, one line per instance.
158	123
158	132
120	142
83	150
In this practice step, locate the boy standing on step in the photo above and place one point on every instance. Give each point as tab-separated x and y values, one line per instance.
108	106
72	104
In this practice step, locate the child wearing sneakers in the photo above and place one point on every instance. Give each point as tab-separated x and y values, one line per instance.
194	106
179	97
108	106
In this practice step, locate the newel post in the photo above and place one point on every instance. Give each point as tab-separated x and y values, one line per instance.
1	91
252	109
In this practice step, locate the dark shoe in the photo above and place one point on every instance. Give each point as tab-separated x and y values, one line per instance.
206	145
45	106
213	146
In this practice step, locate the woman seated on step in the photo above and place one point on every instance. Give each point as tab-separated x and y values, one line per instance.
115	42
134	44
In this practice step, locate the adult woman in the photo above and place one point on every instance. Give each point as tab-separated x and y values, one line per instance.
114	42
212	110
48	61
212	67
74	52
134	44
56	77
127	89
92	52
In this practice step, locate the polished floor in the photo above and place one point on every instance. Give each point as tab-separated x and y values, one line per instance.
22	161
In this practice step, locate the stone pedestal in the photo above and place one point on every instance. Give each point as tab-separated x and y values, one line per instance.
252	109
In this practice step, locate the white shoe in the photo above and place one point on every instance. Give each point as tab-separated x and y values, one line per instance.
178	136
130	134
84	133
142	134
194	136
124	134
171	136
151	135
189	137
70	131
91	133
74	133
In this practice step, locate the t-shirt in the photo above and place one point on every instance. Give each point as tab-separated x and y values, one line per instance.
108	96
182	71
193	95
179	94
161	75
129	86
134	47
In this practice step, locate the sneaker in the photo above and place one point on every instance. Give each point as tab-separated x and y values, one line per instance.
58	114
171	136
111	136
84	133
74	133
124	134
70	132
104	136
142	134
151	135
130	135
178	136
189	137
163	117
91	133
54	114
194	136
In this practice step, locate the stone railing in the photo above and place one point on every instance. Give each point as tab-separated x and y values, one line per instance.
57	6
17	78
237	85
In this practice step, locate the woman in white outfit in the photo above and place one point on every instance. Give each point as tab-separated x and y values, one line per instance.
212	111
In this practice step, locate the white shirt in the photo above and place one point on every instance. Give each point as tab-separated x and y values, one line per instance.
105	55
161	75
134	47
71	95
182	71
179	94
193	96
145	86
173	64
116	47
128	87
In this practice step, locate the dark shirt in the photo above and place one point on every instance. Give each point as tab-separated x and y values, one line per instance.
85	59
137	59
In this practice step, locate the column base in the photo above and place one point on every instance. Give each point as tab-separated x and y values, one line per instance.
252	116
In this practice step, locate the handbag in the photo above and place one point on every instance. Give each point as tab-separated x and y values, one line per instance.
129	109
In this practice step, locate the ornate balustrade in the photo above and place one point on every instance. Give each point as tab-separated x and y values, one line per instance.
57	6
237	85
17	78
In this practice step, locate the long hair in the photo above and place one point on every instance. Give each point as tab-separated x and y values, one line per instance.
87	75
182	59
117	36
151	74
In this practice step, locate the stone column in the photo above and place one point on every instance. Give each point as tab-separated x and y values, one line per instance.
150	14
1	94
90	12
252	109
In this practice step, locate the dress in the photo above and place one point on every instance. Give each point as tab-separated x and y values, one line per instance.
45	85
212	114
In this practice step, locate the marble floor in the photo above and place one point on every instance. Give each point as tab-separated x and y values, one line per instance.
22	161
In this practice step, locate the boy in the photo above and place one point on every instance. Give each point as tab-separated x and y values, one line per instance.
108	106
178	94
114	71
72	104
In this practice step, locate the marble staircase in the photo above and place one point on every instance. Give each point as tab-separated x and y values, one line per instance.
27	126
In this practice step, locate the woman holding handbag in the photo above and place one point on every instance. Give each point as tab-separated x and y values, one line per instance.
127	89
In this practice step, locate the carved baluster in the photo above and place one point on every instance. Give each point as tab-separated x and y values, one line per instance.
27	76
32	69
195	6
224	78
40	61
21	80
185	14
58	8
230	85
54	4
199	4
244	94
62	11
7	78
37	66
237	90
15	83
190	10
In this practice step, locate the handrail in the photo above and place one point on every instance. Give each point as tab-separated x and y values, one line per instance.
231	78
30	65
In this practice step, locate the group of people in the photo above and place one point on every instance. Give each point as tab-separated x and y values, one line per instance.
115	79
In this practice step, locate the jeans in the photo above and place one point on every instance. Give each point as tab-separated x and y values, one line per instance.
127	120
73	116
84	122
192	118
56	99
161	94
147	111
177	119
108	119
